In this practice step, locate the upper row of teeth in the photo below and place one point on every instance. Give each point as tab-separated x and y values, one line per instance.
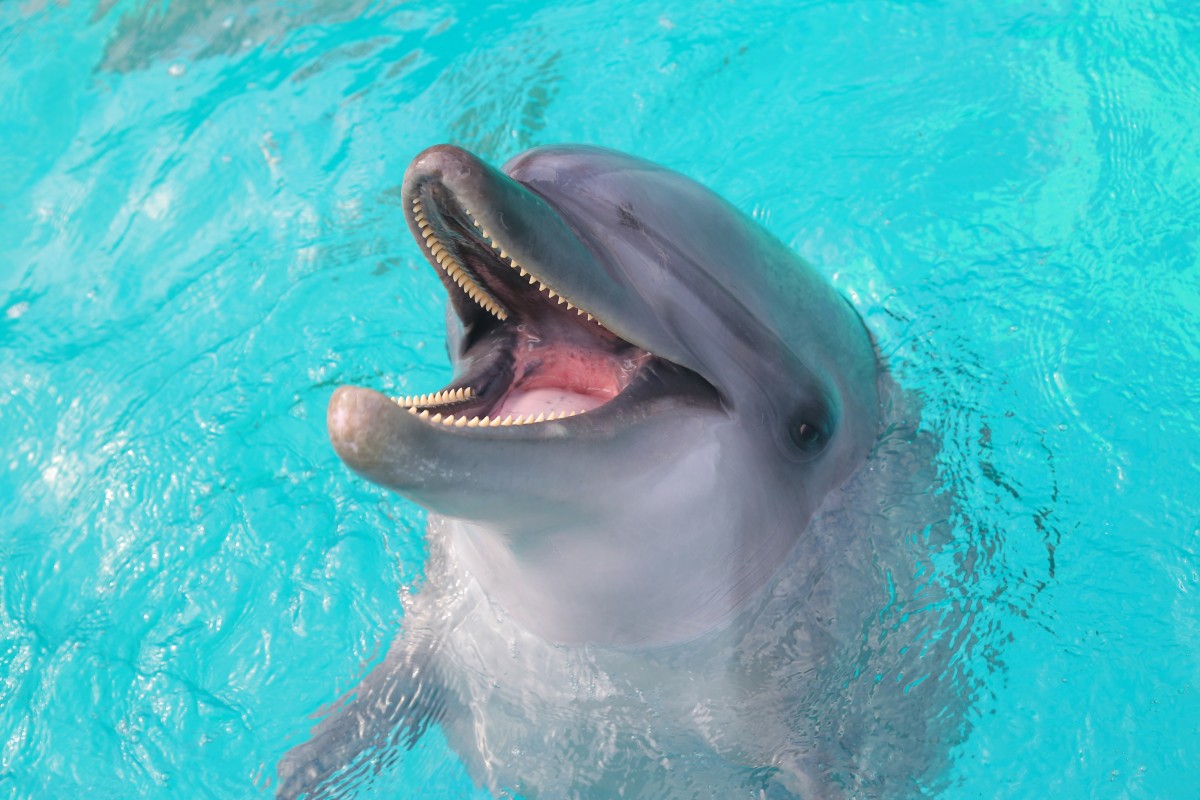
524	273
450	420
444	397
454	269
459	275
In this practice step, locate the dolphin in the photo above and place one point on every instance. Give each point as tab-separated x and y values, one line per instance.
652	397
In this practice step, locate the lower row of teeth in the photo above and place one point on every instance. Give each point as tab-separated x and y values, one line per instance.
442	398
452	421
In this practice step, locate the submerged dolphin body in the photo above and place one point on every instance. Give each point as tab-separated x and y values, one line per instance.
652	397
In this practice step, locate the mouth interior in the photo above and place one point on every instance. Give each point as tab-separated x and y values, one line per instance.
528	354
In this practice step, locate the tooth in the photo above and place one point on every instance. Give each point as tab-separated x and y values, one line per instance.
412	411
502	253
505	422
591	318
522	271
570	306
473	422
579	311
424	414
436	418
562	300
532	280
486	235
461	422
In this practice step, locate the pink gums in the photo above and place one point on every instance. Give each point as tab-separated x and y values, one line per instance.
565	377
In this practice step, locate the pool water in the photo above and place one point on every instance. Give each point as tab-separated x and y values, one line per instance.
201	236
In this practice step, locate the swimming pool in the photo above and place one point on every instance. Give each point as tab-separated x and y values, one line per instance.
200	237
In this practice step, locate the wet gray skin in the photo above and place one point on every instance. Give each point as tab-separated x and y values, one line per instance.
615	602
738	390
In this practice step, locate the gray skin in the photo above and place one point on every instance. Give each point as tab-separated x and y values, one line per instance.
642	542
650	521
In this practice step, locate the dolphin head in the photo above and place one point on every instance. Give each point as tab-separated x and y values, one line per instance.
651	394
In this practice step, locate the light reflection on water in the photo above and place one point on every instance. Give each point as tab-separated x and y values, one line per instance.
201	237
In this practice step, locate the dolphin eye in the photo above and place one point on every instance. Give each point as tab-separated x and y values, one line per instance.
808	434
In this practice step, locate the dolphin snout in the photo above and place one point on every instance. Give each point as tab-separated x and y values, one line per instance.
446	163
355	419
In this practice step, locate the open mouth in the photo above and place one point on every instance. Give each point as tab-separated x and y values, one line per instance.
528	354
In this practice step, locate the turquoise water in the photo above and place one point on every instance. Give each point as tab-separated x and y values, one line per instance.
200	236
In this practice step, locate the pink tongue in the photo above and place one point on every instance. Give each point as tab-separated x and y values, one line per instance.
536	401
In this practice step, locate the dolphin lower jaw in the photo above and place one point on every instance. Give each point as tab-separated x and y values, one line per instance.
519	478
